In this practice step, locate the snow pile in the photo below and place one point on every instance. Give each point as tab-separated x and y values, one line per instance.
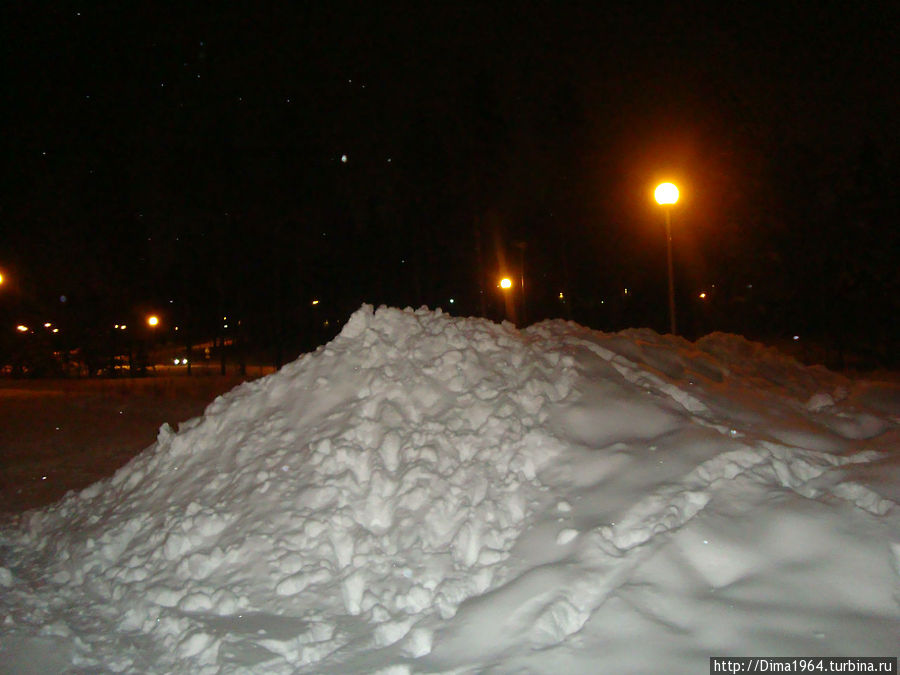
435	494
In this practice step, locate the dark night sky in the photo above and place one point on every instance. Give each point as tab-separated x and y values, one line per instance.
160	151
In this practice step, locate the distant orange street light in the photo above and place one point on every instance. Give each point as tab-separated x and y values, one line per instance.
152	320
509	298
667	194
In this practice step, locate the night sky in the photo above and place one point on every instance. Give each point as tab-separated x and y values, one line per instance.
203	160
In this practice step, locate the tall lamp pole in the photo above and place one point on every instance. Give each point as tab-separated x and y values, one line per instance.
506	286
667	194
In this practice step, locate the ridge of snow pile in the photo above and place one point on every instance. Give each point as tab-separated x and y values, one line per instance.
429	493
390	471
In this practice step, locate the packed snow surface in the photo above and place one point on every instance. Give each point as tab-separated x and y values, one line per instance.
435	494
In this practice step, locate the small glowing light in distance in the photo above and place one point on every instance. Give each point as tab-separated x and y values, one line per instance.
152	320
796	337
22	329
55	330
123	326
47	324
315	302
703	296
562	296
505	283
344	159
666	193
452	301
1	278
177	361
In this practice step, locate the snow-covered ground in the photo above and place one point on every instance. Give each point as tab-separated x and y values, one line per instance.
435	494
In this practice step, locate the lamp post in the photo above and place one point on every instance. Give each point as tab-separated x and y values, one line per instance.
506	287
152	323
667	194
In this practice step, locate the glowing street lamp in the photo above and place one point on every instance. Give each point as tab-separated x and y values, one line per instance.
667	194
509	298
152	320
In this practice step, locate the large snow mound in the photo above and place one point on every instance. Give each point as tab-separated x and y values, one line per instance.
435	494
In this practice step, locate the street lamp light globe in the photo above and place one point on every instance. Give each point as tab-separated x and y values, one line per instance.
152	320
666	193
506	283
